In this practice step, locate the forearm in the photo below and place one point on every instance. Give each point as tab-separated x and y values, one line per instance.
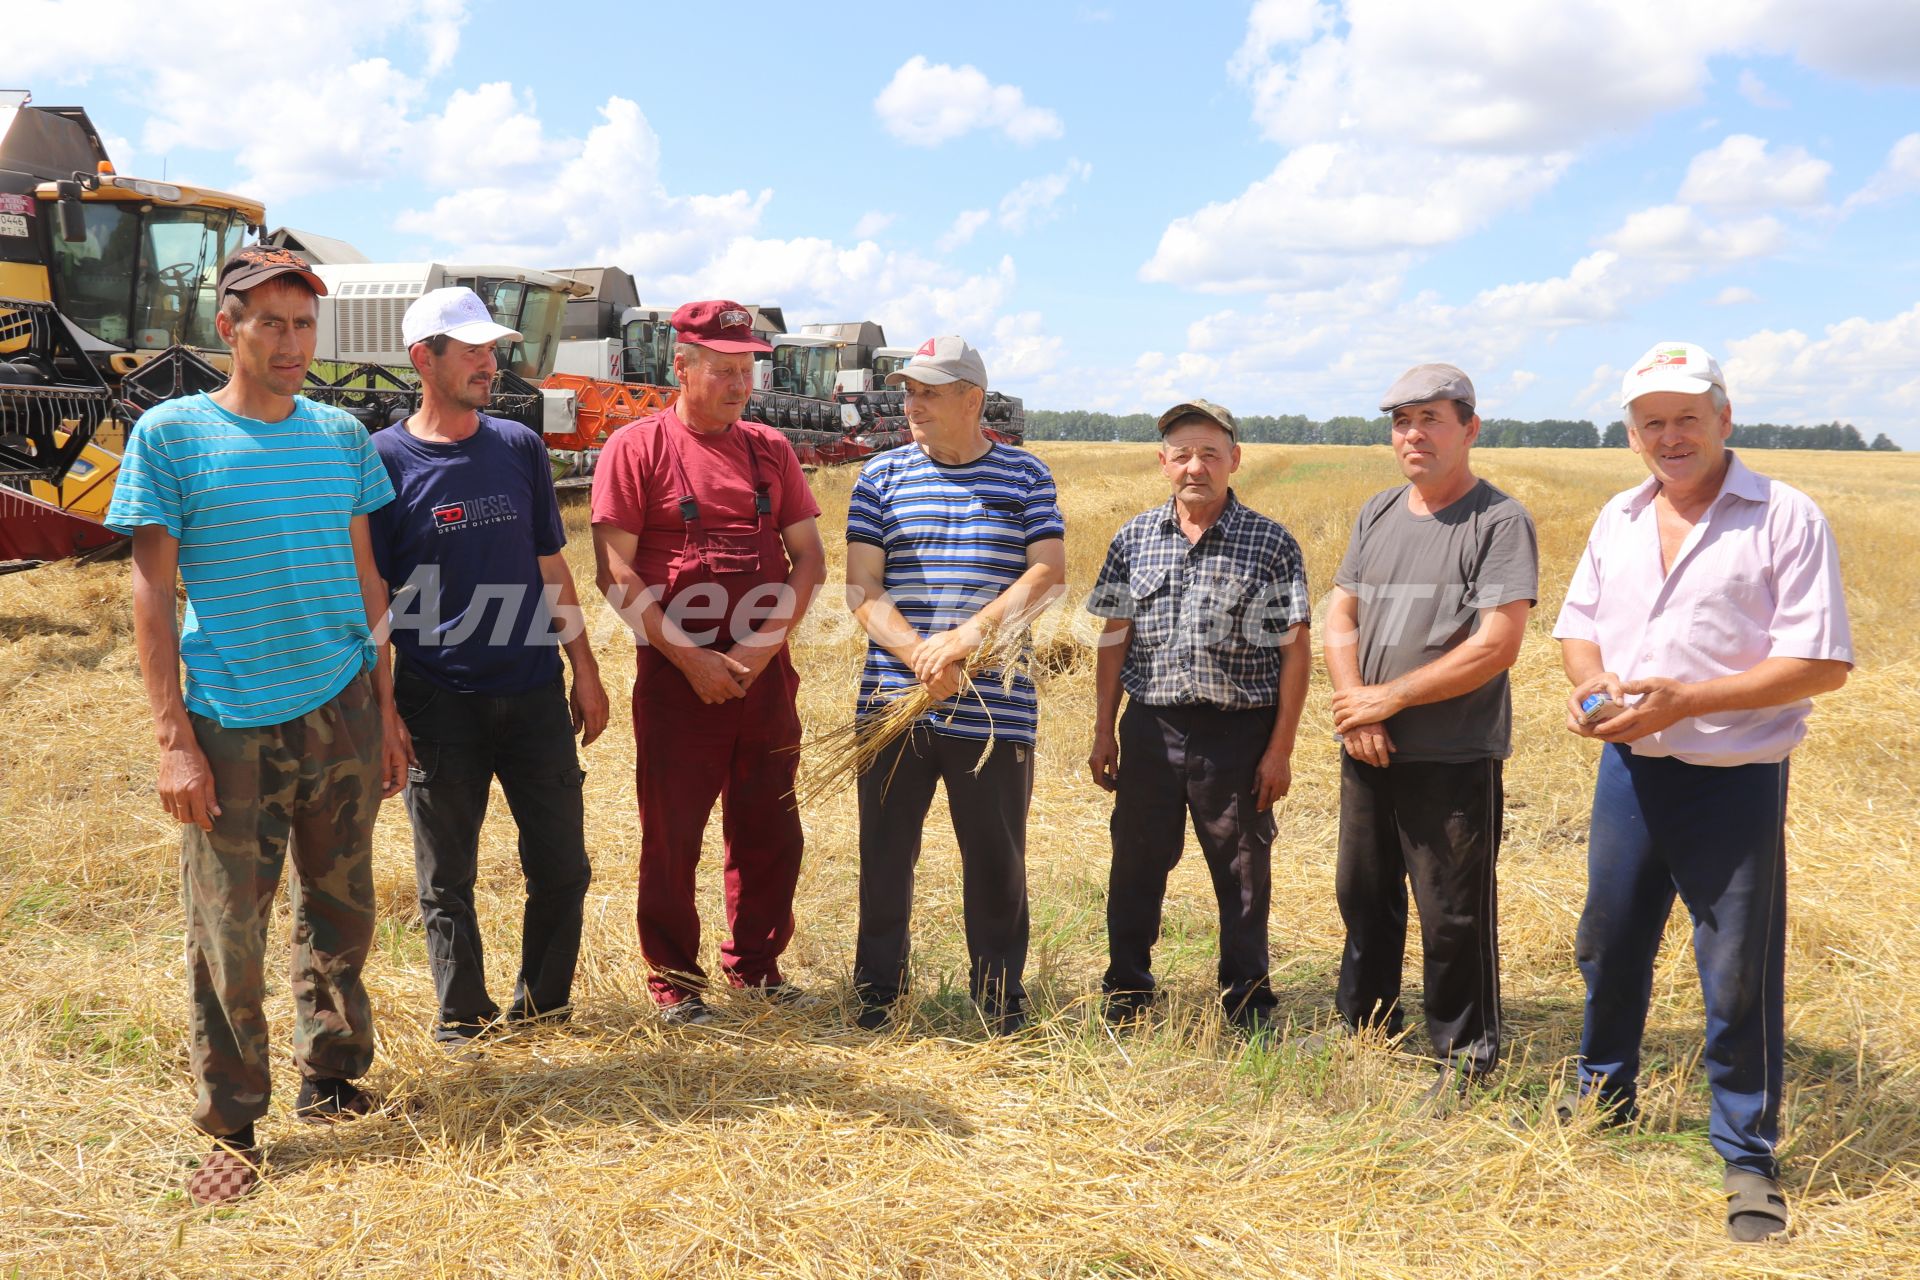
1109	659
638	605
157	643
558	580
1031	593
1580	659
1773	682
802	585
1296	669
1341	649
1460	670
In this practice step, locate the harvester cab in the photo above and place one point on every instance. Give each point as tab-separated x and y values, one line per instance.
106	283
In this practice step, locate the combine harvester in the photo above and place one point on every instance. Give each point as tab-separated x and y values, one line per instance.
106	308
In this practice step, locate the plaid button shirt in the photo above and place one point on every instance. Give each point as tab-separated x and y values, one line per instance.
1209	616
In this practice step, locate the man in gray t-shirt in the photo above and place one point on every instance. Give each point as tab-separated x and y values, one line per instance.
1428	610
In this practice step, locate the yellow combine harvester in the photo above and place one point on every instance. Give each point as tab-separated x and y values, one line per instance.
100	275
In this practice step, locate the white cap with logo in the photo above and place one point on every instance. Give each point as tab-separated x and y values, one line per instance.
456	312
1671	366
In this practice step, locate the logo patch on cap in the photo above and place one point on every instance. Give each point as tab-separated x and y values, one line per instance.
733	319
1668	356
926	348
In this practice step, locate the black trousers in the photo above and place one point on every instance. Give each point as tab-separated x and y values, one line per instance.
1178	763
462	741
990	824
1438	825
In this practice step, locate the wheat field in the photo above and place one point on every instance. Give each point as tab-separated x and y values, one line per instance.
787	1143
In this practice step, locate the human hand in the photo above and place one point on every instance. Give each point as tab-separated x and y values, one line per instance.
1663	703
1273	776
946	682
1104	760
185	784
1369	744
1606	682
944	649
1364	704
587	704
715	677
396	752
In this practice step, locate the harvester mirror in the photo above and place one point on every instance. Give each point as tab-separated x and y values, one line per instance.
73	215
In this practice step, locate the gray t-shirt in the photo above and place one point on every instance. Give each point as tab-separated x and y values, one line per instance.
1421	583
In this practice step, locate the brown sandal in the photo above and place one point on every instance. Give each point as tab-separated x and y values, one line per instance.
1756	1207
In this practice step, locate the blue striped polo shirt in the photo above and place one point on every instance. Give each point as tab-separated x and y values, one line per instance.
954	538
275	624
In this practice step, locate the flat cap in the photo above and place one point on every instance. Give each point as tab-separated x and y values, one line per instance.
1197	408
1426	382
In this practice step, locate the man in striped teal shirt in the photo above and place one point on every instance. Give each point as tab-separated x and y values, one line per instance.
284	736
946	539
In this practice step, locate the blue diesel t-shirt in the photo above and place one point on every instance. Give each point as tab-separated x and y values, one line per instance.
460	548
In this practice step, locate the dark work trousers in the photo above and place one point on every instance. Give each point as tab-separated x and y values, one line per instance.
461	742
1438	825
1717	837
990	825
1198	762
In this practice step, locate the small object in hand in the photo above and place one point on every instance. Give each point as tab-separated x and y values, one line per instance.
1598	706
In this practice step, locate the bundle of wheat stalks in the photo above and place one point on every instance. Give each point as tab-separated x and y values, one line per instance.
840	755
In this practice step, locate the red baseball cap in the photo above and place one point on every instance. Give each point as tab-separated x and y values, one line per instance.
718	325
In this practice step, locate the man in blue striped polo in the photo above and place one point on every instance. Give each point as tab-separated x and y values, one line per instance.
284	738
947	539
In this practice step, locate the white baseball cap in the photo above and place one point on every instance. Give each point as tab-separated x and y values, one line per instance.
456	312
1671	366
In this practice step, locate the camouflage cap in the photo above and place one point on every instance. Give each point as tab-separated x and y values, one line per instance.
1198	408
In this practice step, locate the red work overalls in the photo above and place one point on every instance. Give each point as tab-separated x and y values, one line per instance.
743	752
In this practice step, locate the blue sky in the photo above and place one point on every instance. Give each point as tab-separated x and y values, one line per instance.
1279	206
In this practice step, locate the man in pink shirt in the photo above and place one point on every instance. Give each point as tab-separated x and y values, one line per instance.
1704	616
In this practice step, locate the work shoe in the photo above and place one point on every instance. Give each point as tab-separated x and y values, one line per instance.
1253	1021
689	1011
1127	1008
873	1017
1614	1113
1005	1020
784	994
225	1175
327	1100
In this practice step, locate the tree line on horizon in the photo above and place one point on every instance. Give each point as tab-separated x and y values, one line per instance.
1496	433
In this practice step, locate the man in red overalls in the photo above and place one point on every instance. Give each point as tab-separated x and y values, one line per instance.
705	534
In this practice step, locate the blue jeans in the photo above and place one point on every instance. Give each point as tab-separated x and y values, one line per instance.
1716	837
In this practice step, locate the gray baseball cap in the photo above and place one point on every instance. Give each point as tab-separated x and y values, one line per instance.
1198	408
947	358
1426	382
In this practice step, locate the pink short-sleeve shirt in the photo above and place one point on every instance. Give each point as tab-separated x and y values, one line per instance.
1758	577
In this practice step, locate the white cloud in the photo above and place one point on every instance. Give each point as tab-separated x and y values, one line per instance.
342	111
1741	173
1861	371
1021	348
1755	90
965	225
1674	233
871	224
1594	289
1734	295
1330	200
926	104
484	135
1032	202
1899	176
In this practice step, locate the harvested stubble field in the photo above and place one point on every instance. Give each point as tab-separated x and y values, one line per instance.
788	1143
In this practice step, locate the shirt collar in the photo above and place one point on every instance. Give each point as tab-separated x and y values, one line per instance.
1741	481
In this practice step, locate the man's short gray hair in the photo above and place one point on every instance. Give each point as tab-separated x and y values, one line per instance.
1718	393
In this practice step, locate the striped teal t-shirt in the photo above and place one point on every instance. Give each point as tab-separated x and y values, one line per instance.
955	538
275	624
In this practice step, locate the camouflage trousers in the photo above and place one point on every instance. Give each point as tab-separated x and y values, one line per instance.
309	786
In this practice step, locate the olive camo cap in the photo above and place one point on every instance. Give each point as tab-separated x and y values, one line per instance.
1198	408
1426	382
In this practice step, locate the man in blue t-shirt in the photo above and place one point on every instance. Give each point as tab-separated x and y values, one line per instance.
947	539
283	739
482	603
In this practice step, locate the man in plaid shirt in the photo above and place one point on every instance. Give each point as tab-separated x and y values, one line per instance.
1206	608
